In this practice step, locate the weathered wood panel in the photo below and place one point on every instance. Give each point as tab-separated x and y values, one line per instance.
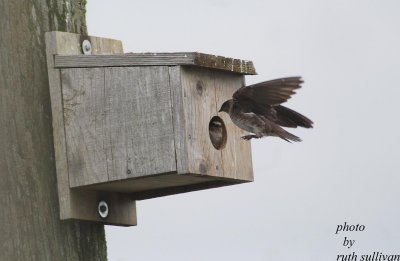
236	156
157	59
199	105
118	123
84	120
139	127
163	185
105	46
75	205
179	122
120	207
204	91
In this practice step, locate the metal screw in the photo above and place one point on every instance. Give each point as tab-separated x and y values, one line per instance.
86	47
102	208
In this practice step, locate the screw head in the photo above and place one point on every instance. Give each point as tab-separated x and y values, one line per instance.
102	208
86	47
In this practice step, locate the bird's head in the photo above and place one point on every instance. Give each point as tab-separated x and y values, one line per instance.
226	106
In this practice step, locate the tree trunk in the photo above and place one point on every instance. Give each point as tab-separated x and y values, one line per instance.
30	227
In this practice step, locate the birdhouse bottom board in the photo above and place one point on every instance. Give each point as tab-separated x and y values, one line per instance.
150	130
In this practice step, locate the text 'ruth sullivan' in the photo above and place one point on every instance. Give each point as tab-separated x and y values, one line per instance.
375	256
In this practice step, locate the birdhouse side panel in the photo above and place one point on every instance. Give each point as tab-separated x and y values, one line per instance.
84	121
236	156
199	106
139	122
118	123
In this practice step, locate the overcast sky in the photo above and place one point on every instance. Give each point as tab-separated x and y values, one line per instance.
346	168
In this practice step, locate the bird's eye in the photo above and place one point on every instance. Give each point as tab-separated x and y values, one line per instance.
217	132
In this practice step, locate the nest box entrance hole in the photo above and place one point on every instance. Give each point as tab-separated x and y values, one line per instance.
217	132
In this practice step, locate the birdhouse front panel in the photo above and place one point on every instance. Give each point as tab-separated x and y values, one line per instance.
203	92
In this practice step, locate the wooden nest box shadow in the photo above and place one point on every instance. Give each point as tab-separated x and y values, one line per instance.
136	126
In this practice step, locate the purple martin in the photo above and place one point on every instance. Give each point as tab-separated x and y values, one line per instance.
257	109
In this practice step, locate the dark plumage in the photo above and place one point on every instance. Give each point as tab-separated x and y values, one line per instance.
257	109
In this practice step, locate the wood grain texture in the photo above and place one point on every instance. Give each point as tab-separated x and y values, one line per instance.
105	46
84	120
157	59
147	187
138	122
204	91
178	117
120	206
199	105
74	205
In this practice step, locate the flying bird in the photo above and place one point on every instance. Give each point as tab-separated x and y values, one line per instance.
257	109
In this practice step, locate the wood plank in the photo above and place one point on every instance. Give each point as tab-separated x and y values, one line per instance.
105	46
178	118
64	195
236	156
75	205
156	59
163	185
199	107
84	118
120	206
224	63
139	122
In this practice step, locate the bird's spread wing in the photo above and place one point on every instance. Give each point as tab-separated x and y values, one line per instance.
270	93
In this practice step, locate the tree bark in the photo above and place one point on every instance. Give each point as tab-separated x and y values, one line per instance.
30	227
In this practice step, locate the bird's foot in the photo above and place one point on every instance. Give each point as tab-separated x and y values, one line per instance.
249	137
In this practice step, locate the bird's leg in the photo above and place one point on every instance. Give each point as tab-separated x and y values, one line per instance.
249	137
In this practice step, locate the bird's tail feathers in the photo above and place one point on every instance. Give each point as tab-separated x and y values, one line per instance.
289	118
289	137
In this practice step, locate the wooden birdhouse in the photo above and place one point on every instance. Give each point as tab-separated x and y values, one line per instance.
136	126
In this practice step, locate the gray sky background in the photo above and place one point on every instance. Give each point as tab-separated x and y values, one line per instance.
346	168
